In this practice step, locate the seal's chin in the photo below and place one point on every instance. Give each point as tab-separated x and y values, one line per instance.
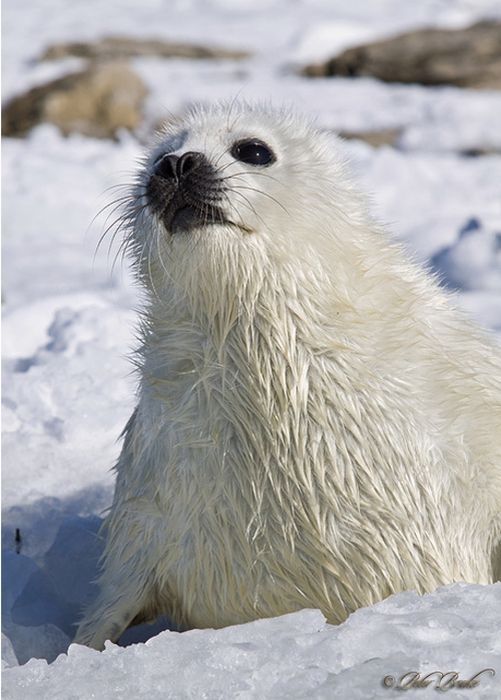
187	218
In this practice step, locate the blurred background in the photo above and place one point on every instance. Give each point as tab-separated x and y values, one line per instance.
413	87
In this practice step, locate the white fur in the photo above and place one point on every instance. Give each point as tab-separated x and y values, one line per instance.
317	426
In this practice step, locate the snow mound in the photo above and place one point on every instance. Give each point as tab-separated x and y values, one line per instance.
73	390
473	261
294	656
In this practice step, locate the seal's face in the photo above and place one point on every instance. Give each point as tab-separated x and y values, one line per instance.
187	191
229	189
195	183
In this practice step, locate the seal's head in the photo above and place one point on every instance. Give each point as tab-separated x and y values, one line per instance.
232	189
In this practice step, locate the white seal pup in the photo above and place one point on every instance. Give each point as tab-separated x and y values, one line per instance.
317	426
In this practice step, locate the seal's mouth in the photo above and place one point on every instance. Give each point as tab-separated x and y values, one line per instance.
186	193
186	217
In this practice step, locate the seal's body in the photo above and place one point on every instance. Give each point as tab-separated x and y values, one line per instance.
317	426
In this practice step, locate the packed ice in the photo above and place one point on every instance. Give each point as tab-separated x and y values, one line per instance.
454	631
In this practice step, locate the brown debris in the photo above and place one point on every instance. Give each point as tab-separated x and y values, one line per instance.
96	102
469	57
385	137
116	47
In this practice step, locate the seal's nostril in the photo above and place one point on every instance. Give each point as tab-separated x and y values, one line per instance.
171	167
188	162
166	167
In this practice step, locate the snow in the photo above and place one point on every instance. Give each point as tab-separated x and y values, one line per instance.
69	318
473	261
294	656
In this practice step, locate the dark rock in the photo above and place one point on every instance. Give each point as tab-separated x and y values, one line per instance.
113	48
468	57
96	102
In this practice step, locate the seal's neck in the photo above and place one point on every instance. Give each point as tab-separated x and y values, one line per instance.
245	317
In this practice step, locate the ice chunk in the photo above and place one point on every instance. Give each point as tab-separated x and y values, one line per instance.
294	656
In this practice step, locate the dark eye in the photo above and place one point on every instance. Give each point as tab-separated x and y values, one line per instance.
253	151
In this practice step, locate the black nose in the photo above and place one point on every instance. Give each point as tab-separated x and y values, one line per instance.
172	167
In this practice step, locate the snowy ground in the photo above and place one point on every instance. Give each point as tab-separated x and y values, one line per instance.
294	656
68	321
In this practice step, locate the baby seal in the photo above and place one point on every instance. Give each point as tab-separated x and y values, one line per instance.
317	426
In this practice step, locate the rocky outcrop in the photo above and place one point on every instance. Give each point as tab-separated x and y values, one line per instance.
96	102
113	48
468	57
376	139
105	97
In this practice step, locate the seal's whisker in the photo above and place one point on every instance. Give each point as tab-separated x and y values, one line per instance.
159	253
122	222
233	208
249	204
218	160
140	255
232	106
128	222
210	157
118	202
243	174
121	250
221	169
121	203
118	186
103	236
246	202
122	227
150	271
124	202
265	194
